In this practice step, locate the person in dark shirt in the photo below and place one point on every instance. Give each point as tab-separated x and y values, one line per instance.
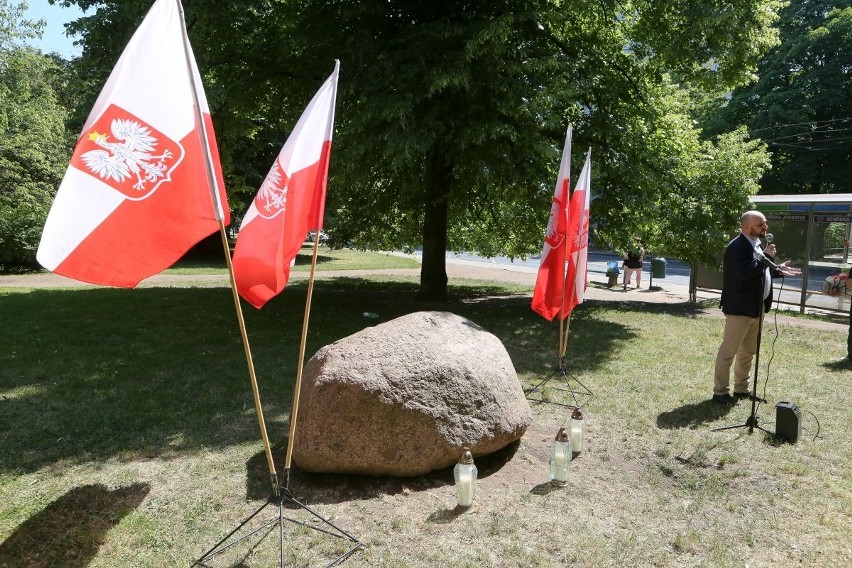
746	296
633	262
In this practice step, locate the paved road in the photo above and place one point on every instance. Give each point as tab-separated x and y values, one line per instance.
676	271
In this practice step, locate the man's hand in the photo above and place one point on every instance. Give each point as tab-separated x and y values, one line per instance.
787	270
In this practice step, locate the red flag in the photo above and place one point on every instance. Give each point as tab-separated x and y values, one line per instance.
138	192
578	234
289	204
550	282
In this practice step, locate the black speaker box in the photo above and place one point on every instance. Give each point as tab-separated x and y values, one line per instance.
788	421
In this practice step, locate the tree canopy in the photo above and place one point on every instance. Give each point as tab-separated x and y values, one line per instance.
801	106
33	146
451	114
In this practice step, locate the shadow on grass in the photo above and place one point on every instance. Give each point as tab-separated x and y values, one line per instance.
98	373
69	531
545	488
446	516
329	488
844	364
693	415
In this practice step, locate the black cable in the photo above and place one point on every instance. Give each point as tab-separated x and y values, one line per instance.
811	123
817	421
772	350
772	355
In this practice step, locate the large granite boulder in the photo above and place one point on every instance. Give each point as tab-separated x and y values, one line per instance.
402	398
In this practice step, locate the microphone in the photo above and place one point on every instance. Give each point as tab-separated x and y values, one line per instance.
769	238
766	258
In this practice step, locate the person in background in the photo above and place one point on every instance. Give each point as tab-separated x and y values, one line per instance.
746	296
633	262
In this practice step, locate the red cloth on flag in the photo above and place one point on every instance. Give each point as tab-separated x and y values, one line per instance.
289	204
578	234
550	283
137	193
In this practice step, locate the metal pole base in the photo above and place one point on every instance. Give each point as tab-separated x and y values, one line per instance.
315	522
561	375
750	423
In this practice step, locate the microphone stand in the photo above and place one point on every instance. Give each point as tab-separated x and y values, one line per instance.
751	421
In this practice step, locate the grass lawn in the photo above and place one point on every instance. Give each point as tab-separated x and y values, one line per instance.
327	259
128	437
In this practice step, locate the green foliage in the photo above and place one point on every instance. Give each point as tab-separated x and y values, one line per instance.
835	236
802	103
33	150
451	116
14	27
490	90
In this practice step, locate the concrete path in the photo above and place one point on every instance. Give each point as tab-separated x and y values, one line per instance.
663	293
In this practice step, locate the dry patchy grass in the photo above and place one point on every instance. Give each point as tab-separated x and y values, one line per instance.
117	461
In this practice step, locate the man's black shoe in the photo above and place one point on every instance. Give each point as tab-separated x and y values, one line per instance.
724	399
749	396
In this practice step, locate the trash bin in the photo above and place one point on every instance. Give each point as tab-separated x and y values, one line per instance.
612	273
658	267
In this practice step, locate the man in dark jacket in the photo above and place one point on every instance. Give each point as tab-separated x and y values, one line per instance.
746	296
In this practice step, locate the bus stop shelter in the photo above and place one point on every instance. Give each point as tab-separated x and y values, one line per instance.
813	233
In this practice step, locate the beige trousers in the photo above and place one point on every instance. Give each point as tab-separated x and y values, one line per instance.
628	272
739	343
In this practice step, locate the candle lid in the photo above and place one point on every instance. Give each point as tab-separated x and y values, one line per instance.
466	456
577	414
562	435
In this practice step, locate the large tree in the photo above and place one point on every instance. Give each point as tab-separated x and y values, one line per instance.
801	105
451	114
33	145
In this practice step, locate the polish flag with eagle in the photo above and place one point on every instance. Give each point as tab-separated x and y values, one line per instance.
547	300
577	279
289	203
144	183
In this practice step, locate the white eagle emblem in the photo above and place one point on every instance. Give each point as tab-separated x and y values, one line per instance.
132	156
271	198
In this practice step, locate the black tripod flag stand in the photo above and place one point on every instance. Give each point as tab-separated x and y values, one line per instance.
560	372
561	375
751	422
290	510
281	497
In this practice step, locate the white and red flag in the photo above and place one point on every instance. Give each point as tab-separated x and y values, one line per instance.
547	298
144	183
289	204
578	236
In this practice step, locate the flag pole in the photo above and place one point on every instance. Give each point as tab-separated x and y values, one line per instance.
294	413
220	215
563	331
563	348
254	389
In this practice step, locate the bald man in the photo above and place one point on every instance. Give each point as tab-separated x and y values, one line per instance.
746	296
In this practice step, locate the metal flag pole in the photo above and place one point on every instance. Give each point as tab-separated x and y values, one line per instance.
564	323
280	497
565	243
294	413
560	370
563	327
212	183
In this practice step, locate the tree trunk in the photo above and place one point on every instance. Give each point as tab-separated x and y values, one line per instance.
433	271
